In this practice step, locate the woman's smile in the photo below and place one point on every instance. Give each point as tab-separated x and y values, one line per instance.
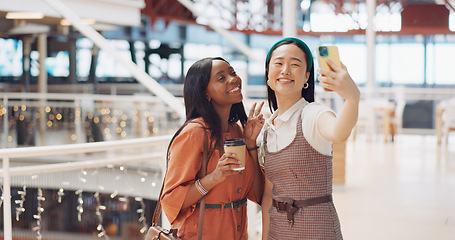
235	90
285	80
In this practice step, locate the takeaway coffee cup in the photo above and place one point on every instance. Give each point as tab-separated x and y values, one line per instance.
237	147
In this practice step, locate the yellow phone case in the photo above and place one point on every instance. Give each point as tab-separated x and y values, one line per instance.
328	52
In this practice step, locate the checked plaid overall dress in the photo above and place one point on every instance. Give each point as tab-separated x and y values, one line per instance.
299	172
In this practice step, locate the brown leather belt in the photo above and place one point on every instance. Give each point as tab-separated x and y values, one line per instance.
291	207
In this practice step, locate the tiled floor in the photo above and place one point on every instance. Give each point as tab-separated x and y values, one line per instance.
401	190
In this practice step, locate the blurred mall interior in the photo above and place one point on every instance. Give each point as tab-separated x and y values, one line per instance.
91	93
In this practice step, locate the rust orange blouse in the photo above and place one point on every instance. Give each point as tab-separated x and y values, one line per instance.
184	169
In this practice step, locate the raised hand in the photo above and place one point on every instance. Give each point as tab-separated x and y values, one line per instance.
339	80
225	167
254	124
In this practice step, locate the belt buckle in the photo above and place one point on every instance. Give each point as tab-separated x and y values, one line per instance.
235	204
291	223
238	203
289	208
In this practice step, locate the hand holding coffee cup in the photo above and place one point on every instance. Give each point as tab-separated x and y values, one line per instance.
236	146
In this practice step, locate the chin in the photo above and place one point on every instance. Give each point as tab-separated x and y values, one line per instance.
240	99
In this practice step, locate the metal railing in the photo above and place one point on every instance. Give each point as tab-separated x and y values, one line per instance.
78	116
156	157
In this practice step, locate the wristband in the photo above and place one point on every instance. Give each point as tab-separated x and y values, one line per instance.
201	188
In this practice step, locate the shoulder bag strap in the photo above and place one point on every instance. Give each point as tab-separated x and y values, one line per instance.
157	212
200	224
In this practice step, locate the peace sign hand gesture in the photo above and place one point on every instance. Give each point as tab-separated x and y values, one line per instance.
254	125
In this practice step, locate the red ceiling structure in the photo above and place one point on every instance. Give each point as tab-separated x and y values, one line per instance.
417	17
168	10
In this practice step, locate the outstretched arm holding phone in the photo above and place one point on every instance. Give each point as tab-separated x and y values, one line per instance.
338	129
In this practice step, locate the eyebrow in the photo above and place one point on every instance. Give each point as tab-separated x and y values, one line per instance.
292	58
222	71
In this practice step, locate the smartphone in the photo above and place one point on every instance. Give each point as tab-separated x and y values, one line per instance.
328	52
325	53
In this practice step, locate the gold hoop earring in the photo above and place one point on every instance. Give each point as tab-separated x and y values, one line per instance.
306	85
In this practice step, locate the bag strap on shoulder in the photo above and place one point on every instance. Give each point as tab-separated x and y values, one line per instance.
157	212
